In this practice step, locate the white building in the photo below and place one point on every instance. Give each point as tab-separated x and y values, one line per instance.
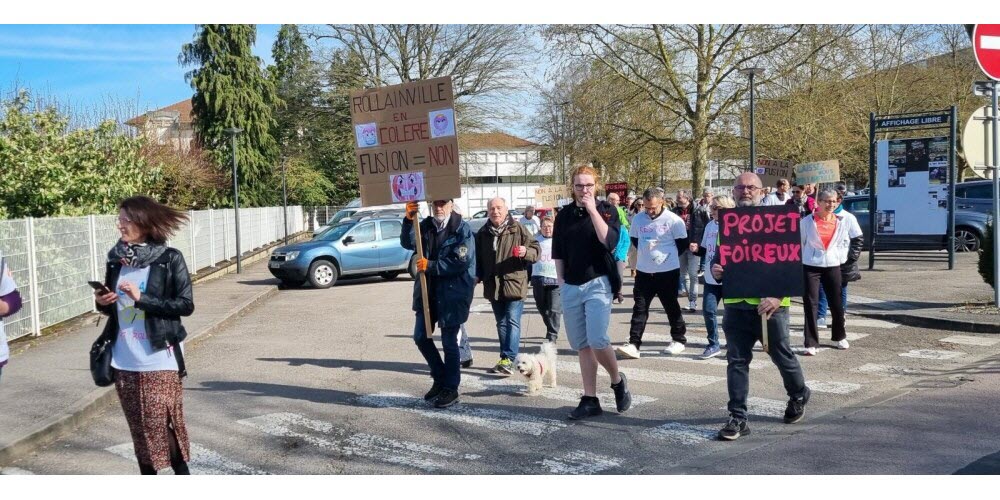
169	126
498	164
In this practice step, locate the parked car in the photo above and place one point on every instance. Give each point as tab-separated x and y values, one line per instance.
479	218
351	248
970	226
337	217
974	195
356	214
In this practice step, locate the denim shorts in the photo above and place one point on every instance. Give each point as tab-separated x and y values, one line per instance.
587	313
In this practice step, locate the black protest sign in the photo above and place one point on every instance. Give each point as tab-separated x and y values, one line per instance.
760	252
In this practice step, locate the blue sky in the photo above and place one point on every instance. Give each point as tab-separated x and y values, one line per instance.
87	66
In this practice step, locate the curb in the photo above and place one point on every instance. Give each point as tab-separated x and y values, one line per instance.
81	410
932	323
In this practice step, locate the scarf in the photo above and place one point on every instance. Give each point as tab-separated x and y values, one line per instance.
497	231
136	255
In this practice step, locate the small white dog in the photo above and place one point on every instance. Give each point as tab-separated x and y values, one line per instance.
538	369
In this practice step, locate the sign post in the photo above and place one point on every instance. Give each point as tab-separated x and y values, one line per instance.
406	147
986	46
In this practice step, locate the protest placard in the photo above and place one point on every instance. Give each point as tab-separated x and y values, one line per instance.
406	145
817	172
619	188
771	171
549	196
760	252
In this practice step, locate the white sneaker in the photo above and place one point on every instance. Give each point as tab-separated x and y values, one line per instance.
628	351
692	306
841	344
810	351
674	348
821	323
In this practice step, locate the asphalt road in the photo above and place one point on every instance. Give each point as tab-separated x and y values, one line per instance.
329	382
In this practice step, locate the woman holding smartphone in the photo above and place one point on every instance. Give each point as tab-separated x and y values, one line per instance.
148	291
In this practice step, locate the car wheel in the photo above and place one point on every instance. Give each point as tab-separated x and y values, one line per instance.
322	274
966	240
412	268
390	275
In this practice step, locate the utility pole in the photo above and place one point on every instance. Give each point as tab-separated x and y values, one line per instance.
233	132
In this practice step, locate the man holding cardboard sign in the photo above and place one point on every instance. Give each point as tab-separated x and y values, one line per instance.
449	264
761	248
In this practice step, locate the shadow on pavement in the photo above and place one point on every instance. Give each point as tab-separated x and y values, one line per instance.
277	390
357	365
990	464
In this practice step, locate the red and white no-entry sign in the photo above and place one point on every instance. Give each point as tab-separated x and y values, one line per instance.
986	45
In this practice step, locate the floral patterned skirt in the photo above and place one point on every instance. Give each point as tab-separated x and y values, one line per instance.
153	405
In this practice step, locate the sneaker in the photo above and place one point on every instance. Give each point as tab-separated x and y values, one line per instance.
589	407
682	293
711	352
504	367
734	429
467	363
821	323
627	351
434	392
447	398
810	351
841	344
623	398
692	306
674	348
796	408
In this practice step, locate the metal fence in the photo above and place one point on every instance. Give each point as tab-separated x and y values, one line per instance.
319	216
53	258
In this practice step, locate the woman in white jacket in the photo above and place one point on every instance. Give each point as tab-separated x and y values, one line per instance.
826	240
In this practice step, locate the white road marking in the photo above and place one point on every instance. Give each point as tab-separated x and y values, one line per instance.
989	42
14	471
719	360
970	340
832	387
683	434
852	322
894	371
703	341
855	299
515	386
580	462
659	377
764	407
932	354
363	445
499	420
850	335
481	308
203	461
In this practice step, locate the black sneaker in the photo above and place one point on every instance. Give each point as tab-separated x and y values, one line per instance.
589	407
467	363
447	398
796	408
734	429
434	392
623	398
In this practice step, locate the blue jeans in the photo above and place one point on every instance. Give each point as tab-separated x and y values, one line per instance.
710	305
508	316
823	306
446	372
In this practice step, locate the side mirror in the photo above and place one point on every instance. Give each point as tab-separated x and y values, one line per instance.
348	240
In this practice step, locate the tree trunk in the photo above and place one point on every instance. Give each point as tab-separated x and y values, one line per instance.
699	160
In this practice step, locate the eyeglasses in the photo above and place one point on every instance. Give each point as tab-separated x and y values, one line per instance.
745	187
581	187
123	221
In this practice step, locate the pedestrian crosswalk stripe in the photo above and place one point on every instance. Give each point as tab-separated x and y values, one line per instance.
481	308
932	354
696	340
851	322
720	360
970	340
508	386
659	377
203	461
381	449
499	420
683	434
763	407
883	369
580	462
14	471
833	387
851	336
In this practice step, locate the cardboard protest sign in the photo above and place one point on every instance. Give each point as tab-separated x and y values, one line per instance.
771	171
549	196
619	188
760	252
406	144
817	172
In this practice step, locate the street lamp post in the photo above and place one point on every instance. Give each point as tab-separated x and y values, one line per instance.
233	132
284	196
751	73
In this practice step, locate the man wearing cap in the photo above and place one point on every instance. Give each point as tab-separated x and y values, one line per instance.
449	266
742	326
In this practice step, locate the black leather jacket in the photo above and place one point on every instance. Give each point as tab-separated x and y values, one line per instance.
167	297
849	270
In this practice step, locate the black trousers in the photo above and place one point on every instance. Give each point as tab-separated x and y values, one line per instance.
549	303
829	279
662	285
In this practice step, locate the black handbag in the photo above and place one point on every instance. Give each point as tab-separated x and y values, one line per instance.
100	362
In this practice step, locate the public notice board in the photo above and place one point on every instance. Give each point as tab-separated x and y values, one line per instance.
406	144
912	186
760	252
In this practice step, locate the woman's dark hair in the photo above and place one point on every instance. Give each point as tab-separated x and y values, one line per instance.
156	220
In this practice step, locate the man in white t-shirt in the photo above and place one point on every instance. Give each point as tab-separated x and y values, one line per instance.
530	221
660	236
10	303
780	196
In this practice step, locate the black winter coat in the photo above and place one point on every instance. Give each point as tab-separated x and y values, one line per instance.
167	298
849	270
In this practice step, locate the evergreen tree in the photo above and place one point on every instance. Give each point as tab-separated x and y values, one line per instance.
231	90
296	79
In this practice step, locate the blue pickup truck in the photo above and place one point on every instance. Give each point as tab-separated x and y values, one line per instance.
351	248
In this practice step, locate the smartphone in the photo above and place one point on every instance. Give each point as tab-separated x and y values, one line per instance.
98	286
